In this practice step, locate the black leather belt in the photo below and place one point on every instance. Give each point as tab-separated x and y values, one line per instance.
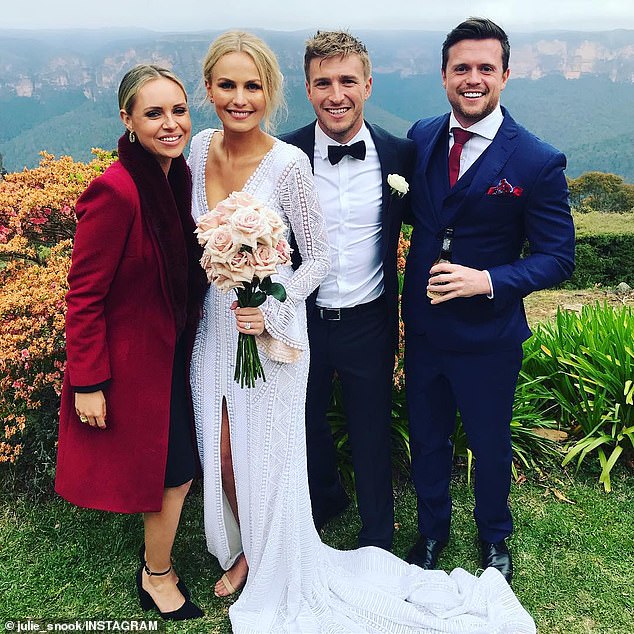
350	312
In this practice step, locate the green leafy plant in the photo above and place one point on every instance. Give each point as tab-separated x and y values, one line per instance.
603	259
588	365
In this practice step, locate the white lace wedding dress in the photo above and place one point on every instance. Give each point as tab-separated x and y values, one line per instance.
297	584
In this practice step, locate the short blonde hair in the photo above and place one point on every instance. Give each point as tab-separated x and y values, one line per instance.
137	77
265	61
327	44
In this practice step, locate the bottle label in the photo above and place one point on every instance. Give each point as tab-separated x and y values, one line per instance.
432	294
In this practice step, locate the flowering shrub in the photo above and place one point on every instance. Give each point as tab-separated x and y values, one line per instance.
37	222
32	355
37	206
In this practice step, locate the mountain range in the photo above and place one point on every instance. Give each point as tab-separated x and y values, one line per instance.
574	90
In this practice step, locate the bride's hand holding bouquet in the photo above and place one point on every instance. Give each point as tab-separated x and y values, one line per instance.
244	242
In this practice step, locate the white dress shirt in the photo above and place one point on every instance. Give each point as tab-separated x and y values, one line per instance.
350	197
483	133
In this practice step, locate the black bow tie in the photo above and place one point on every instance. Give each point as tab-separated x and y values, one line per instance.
337	152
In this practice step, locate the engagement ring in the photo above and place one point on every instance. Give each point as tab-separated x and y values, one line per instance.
83	419
247	326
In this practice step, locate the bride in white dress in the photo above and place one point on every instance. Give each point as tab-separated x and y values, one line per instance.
252	442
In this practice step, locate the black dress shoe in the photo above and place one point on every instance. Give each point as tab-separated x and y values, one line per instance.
497	556
425	553
321	518
187	611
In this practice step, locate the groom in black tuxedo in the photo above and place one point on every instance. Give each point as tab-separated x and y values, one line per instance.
353	315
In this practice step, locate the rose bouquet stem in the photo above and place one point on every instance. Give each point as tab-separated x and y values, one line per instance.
248	365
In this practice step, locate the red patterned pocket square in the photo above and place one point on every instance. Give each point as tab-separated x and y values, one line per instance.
504	188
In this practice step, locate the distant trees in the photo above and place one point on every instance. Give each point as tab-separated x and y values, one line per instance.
597	191
603	207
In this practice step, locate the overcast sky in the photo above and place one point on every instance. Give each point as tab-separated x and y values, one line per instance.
205	15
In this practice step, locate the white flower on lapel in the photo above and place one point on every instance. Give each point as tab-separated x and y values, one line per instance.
398	185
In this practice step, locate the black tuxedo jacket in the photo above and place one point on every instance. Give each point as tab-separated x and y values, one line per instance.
396	157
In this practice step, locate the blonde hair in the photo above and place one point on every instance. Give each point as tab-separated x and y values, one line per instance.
327	44
265	62
137	77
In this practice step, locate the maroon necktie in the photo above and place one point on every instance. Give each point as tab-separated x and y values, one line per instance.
460	137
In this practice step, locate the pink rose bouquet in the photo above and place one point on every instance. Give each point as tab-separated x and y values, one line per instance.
244	242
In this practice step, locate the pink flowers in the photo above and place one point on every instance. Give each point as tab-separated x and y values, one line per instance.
242	240
247	226
244	244
220	244
265	259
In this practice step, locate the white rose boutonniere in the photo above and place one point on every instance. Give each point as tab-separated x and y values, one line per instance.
398	185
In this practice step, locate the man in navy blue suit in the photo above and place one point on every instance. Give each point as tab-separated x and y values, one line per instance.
497	187
353	315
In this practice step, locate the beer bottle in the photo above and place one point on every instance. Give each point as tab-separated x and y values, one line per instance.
444	256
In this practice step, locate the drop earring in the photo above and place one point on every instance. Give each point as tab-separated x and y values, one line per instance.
132	136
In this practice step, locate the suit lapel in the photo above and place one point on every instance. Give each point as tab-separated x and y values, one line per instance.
304	139
503	145
439	136
425	153
388	160
486	171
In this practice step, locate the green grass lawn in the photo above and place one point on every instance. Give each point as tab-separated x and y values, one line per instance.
574	560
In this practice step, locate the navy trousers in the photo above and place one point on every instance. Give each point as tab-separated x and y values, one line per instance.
481	385
359	349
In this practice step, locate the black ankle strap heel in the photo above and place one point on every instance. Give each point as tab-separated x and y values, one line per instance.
187	611
184	590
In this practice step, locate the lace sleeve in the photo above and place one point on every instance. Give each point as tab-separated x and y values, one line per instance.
298	199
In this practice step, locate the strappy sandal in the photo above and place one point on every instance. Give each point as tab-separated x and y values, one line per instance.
231	589
228	585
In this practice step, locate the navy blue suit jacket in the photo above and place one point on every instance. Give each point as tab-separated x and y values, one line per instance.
490	232
396	157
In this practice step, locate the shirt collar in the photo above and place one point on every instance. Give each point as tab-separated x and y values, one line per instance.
322	140
487	127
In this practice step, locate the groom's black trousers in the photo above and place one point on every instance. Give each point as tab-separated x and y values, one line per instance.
358	347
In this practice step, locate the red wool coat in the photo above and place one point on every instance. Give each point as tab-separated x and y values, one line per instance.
120	328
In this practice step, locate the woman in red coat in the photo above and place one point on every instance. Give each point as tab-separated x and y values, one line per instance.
125	437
